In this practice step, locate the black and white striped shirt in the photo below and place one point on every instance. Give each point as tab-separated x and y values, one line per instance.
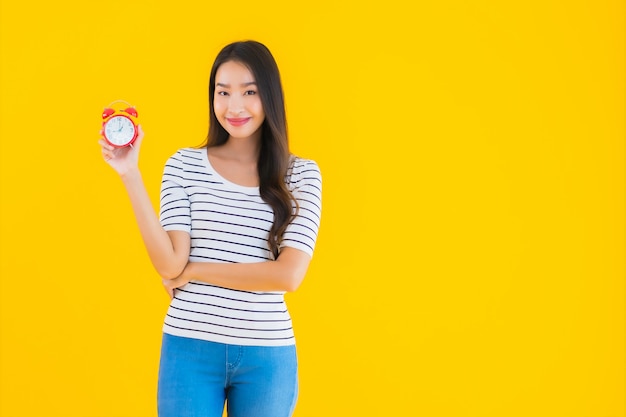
230	223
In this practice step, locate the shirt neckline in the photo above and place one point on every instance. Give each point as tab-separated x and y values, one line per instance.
212	170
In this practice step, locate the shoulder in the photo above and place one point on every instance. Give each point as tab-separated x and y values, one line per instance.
303	167
303	172
185	157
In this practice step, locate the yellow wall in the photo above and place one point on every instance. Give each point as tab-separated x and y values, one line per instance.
471	255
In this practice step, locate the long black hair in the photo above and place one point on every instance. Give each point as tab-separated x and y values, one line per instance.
274	154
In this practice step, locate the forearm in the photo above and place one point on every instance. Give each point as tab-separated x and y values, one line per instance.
168	262
284	274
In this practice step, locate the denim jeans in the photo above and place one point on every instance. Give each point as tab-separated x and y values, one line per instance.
196	377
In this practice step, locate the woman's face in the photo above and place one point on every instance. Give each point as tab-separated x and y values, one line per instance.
237	104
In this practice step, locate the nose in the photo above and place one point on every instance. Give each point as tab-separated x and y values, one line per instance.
235	105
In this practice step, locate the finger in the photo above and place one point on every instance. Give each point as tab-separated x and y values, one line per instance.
139	139
105	145
168	290
107	154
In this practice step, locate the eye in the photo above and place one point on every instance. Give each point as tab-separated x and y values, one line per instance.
249	93
222	93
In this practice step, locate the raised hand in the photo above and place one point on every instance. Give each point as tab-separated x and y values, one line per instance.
125	159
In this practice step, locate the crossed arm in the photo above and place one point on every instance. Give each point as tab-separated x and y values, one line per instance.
169	254
284	274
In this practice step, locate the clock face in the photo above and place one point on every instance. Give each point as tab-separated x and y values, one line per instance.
119	130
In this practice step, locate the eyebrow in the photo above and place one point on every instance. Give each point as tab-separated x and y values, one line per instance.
242	85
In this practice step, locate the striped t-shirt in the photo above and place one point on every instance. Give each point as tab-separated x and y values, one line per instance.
230	223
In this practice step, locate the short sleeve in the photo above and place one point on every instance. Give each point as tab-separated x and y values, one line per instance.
175	213
304	180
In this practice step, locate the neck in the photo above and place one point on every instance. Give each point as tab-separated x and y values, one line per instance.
243	149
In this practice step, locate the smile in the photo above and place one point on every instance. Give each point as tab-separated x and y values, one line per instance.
239	121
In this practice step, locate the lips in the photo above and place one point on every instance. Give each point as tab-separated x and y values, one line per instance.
238	121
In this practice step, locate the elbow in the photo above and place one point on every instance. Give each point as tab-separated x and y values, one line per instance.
292	282
170	268
167	274
170	272
293	270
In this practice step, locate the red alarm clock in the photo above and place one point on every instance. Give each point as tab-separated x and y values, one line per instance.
119	125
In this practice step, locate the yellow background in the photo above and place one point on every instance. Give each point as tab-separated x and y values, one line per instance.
471	256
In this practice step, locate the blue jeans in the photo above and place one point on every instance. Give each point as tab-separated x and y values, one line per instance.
196	377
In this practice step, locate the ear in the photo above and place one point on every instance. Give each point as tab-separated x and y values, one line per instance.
131	110
107	112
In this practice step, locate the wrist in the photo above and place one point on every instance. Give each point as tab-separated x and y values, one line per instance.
130	175
190	271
